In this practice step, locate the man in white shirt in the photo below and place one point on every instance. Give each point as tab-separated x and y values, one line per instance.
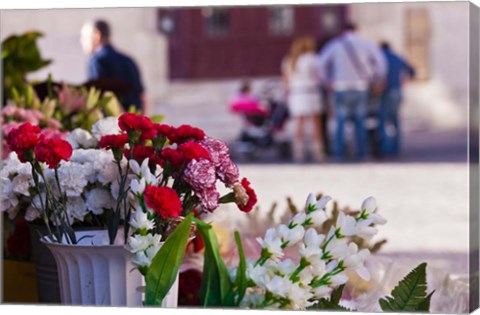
352	64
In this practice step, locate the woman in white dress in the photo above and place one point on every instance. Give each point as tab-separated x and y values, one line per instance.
301	78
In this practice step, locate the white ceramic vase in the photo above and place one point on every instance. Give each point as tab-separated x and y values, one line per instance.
93	272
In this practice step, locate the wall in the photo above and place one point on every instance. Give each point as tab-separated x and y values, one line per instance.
443	99
133	32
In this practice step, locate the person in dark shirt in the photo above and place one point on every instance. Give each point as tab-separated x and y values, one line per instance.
107	64
389	123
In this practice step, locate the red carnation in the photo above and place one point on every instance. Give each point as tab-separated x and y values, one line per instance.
252	197
163	200
173	157
23	138
185	133
134	122
52	151
141	153
113	141
193	151
164	130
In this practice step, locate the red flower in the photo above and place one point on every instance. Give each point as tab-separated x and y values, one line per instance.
113	141
173	157
163	200
141	153
185	133
23	138
134	122
52	151
193	151
164	130
189	287
252	197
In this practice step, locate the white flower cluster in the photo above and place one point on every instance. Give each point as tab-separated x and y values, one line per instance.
323	258
89	179
142	244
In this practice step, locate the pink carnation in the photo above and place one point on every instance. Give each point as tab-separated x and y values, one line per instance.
217	149
200	174
228	173
209	198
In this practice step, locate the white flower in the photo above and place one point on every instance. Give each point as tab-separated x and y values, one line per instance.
139	220
272	244
299	297
73	177
105	126
310	249
346	224
313	204
251	300
22	183
290	236
298	219
286	267
338	280
261	275
8	199
369	205
137	186
32	214
317	218
279	286
139	243
355	261
140	259
76	209
322	291
99	199
81	138
10	165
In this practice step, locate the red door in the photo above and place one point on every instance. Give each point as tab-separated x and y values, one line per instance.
217	42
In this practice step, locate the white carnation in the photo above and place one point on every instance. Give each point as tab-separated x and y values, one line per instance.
105	126
81	138
10	165
76	208
74	177
99	199
8	199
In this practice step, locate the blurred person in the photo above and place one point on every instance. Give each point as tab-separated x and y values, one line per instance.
108	64
356	65
301	79
389	122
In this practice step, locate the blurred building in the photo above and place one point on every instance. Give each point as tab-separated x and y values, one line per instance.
195	57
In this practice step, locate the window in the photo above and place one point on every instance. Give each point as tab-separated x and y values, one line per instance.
418	41
281	21
217	21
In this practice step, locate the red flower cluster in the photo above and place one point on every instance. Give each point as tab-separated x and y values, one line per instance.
163	200
22	139
252	197
52	151
113	141
134	122
184	153
141	153
185	133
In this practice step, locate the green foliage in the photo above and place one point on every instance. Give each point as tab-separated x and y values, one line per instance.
241	276
410	294
216	284
333	303
20	55
164	268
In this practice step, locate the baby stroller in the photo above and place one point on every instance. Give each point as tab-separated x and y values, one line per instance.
263	122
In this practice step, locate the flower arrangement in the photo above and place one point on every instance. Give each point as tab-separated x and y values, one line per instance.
129	171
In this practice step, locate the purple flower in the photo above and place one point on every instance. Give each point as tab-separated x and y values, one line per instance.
217	149
228	172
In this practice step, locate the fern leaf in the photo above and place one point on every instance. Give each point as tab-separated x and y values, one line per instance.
410	294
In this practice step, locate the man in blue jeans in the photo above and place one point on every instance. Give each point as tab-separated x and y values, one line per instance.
353	63
106	63
389	122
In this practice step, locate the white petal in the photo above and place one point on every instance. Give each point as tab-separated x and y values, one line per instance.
369	204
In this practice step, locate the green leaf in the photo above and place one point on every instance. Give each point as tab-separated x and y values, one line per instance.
241	277
424	306
216	283
337	294
164	268
157	118
410	294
